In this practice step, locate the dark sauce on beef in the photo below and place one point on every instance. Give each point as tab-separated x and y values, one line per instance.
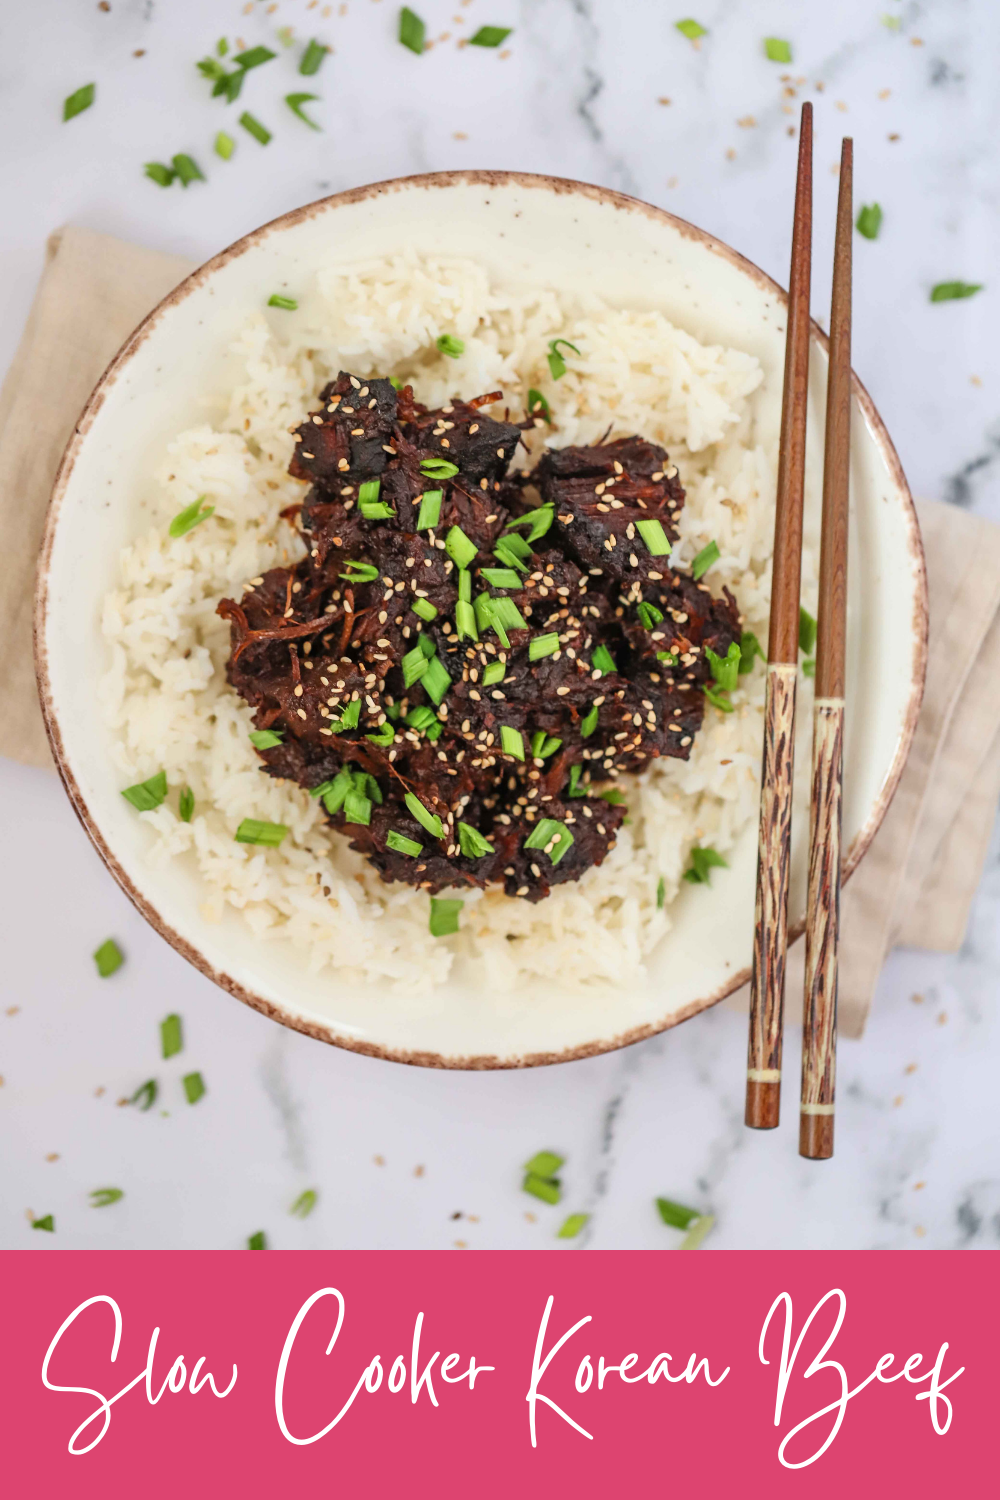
318	649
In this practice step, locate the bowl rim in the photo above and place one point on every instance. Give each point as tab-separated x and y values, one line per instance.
562	186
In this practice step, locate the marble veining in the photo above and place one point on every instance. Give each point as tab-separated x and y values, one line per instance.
611	92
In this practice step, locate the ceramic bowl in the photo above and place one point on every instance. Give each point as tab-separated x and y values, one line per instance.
522	227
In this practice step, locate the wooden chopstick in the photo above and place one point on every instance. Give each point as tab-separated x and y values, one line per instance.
819	1021
767	990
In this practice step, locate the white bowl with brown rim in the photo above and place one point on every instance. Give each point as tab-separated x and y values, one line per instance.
522	227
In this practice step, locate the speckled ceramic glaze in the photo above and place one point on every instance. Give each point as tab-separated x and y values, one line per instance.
521	228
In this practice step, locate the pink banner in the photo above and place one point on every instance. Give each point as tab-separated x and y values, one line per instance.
423	1373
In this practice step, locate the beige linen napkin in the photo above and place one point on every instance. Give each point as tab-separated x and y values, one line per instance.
916	883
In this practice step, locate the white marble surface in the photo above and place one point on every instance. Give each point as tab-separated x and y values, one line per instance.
918	1160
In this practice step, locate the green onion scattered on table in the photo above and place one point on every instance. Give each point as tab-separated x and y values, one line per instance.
108	958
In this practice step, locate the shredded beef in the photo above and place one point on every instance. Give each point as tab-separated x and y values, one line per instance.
367	659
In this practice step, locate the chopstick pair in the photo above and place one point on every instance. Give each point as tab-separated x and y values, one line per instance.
819	1040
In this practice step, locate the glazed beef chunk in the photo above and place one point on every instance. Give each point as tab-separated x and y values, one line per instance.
467	651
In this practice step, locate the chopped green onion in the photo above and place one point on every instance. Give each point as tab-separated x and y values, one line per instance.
438	468
543	745
266	739
661	893
809	667
807	631
411	30
334	792
778	50
256	831
675	1214
538	406
613	795
145	1095
104	1197
444	916
424	817
543	645
750	647
224	145
472	843
421	717
550	832
465	588
706	557
465	621
435	681
414	665
953	291
254	57
312	58
691	29
192	516
538	522
654	536
649	616
575	789
702	861
185	805
697	1233
430	510
725	669
295	103
426	645
365	783
305	1203
395	382
891	23
501	578
146	795
108	958
424	609
869	220
357	808
222	46
352	713
448	344
669	658
194	1087
504	614
489	36
544	1164
494	672
549	1189
362	572
255	128
375	510
718	700
402	844
171	1035
383	736
47	1222
459	548
227	84
601	660
161	175
589	723
511	742
77	102
505	553
257	1241
557	365
187	169
572	1226
289	304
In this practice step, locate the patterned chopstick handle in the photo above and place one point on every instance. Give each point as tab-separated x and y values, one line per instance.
819	1019
767	990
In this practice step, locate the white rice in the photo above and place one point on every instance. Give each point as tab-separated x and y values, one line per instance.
166	695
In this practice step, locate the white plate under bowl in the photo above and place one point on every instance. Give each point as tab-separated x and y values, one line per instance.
521	227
